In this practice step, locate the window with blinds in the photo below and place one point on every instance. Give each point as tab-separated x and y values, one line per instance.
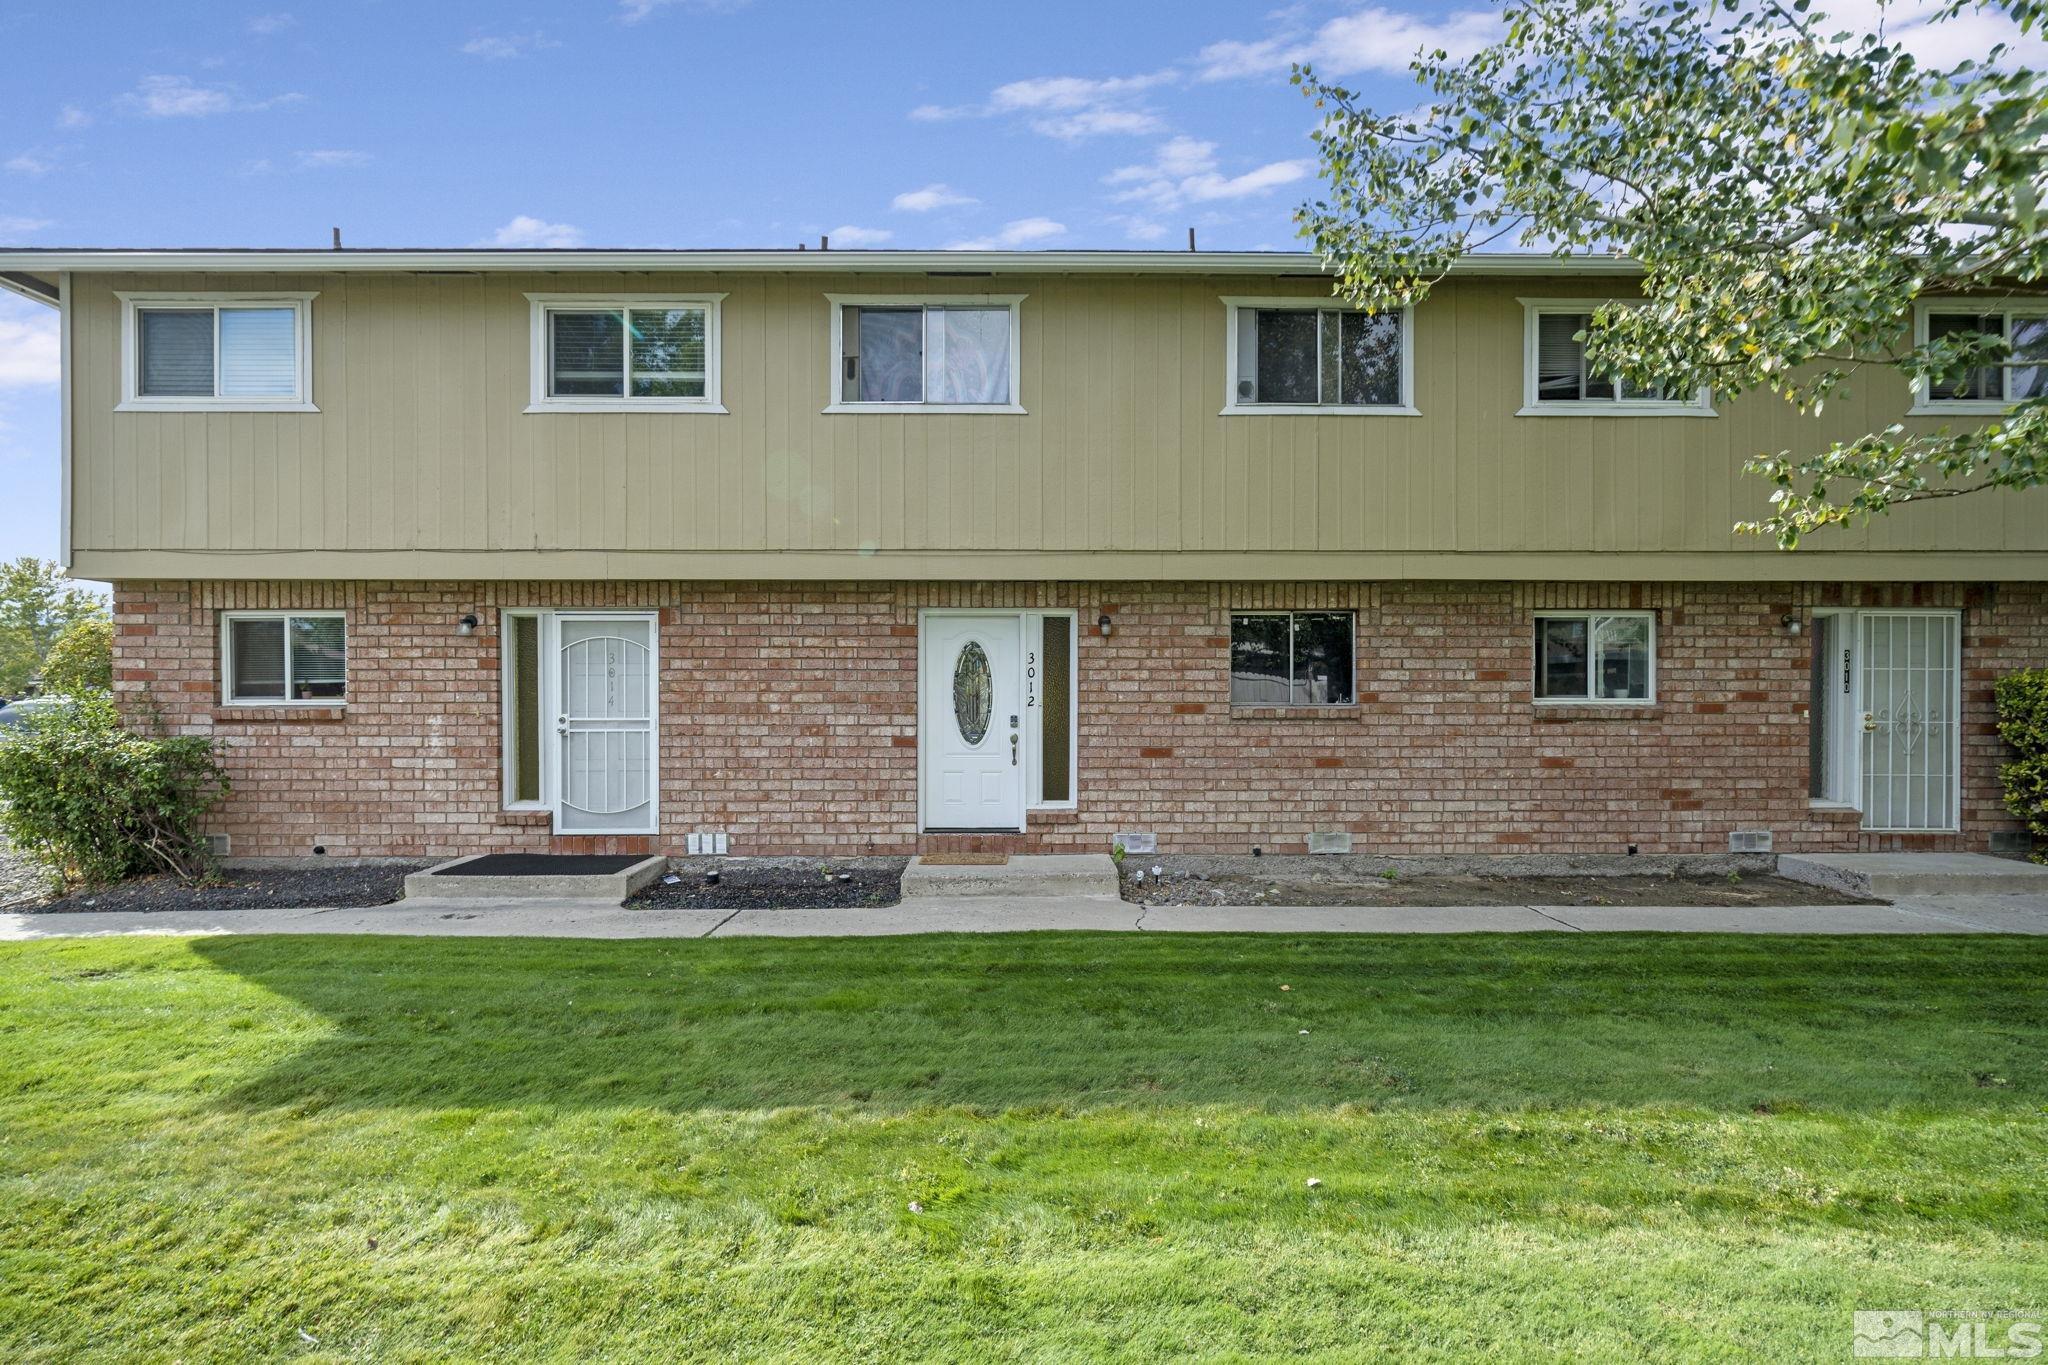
1559	378
216	352
624	352
280	657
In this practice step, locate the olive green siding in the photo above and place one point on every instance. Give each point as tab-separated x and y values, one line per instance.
422	463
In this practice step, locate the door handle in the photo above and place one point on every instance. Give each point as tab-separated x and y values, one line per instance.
1013	751
1869	720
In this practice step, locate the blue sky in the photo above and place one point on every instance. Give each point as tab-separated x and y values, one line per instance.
652	123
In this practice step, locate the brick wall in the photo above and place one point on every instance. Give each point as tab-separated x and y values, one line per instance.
788	717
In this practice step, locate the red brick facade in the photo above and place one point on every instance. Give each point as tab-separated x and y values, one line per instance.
789	718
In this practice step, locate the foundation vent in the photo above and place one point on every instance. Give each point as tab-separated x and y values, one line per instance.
1330	841
1749	841
703	841
1138	841
218	845
2011	841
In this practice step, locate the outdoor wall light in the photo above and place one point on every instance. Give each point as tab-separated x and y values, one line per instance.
1791	622
1105	625
467	625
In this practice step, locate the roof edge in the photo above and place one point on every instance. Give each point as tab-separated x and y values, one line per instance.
405	259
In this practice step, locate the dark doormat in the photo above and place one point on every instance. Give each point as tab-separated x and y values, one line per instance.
545	865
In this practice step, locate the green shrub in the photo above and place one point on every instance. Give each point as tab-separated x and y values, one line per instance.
94	802
2023	723
82	660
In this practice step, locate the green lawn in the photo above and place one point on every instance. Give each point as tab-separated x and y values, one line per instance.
1612	1146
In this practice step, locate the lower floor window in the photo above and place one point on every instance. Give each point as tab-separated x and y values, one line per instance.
1595	656
1049	680
522	707
285	656
1291	658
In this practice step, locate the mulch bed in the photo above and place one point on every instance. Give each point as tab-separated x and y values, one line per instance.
1329	882
244	888
777	884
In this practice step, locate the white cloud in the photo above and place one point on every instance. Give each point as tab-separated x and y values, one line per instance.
1139	229
28	344
31	162
72	117
178	97
934	196
1371	39
848	235
1066	107
1185	170
1018	232
1096	123
331	158
525	231
267	24
1969	35
21	227
504	47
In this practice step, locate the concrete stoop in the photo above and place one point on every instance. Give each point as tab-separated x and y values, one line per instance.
1037	874
1888	876
441	883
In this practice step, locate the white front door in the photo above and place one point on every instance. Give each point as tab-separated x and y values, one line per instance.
604	723
971	713
1908	709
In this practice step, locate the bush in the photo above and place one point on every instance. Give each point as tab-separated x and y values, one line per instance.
2023	723
94	802
82	660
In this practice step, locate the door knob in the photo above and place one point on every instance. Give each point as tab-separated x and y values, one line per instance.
1870	720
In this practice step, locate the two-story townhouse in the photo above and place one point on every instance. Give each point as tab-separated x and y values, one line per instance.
455	551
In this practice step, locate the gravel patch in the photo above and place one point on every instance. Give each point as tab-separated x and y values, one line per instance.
777	884
340	885
1289	880
22	883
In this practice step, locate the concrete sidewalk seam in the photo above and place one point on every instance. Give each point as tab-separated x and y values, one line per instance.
721	924
1554	919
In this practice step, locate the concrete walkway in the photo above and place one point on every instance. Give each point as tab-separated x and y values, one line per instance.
1989	914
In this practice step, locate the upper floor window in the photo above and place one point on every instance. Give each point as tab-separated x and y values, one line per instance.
940	354
1986	388
1300	356
1556	379
625	353
216	352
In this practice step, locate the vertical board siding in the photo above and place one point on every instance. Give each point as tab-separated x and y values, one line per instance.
422	441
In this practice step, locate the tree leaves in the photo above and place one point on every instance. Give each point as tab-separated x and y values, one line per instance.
1790	192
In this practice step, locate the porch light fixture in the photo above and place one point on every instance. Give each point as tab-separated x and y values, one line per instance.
467	625
1791	622
1104	625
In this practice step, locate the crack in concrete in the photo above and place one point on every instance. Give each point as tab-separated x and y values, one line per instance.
1565	924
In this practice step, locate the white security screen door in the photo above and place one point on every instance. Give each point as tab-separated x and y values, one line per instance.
971	705
605	722
1907	680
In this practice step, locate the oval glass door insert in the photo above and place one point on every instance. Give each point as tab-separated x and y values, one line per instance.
973	692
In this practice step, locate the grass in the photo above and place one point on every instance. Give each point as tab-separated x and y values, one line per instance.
1604	1146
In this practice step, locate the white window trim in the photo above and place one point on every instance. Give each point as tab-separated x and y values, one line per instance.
1232	305
1924	404
540	305
1536	658
227	660
835	357
1701	404
543	700
1290	612
133	400
1034	713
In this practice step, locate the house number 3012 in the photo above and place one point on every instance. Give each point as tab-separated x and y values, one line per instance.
1030	678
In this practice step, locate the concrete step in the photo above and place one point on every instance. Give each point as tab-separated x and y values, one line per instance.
535	882
1036	874
1889	876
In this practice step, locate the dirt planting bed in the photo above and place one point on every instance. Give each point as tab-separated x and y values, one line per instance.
338	885
1348	880
777	884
